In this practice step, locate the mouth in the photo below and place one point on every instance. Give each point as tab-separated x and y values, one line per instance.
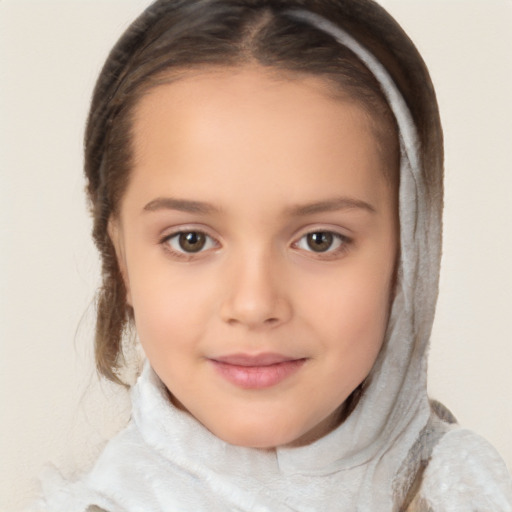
256	371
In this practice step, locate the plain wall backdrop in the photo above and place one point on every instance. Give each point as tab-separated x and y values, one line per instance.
53	409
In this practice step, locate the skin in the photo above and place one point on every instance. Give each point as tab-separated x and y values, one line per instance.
256	162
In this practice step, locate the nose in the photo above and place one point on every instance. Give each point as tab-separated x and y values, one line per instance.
256	293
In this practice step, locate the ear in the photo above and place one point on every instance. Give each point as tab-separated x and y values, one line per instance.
116	237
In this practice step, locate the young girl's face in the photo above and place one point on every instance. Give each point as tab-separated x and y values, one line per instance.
258	239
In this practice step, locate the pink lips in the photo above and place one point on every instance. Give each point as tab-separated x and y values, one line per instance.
258	371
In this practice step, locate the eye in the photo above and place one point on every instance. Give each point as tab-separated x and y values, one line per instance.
189	242
321	241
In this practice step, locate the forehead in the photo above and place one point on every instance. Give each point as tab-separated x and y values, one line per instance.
248	92
249	126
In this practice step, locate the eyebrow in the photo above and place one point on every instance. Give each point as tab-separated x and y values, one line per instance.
183	205
199	207
330	205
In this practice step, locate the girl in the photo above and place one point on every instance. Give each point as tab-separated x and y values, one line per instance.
265	182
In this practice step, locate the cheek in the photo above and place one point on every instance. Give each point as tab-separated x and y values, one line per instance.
356	338
169	306
351	319
358	300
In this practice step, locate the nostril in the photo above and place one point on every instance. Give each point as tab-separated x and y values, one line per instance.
268	321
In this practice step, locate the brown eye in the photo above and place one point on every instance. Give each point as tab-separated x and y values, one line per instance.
321	241
189	244
193	241
328	243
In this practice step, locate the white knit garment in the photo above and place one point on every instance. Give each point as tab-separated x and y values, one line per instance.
166	461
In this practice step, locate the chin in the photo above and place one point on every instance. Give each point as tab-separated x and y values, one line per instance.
268	429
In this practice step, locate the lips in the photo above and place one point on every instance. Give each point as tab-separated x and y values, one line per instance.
254	360
256	371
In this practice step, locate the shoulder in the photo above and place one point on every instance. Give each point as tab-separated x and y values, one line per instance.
82	493
58	494
466	473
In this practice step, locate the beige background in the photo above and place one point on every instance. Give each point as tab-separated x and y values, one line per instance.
52	407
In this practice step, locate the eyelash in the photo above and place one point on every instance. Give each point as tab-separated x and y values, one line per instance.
342	244
209	242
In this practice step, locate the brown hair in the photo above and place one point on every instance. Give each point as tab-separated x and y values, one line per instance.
176	35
